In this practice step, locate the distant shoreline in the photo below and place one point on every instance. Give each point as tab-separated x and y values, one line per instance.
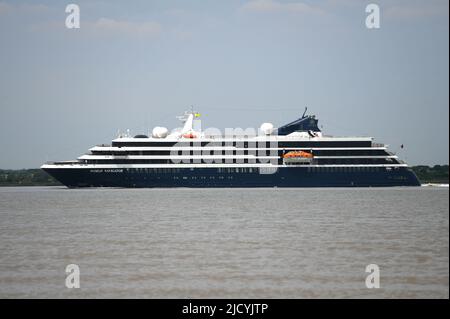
437	174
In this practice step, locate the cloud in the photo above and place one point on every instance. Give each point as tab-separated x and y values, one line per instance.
418	10
105	27
346	3
274	6
4	7
23	8
128	28
398	9
181	34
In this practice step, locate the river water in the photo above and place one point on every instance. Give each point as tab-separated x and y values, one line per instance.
224	243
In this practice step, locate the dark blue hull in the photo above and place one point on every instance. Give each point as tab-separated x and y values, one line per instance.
214	177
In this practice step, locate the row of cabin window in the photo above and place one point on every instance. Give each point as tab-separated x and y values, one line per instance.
245	152
179	170
331	161
247	144
325	161
191	152
344	169
182	161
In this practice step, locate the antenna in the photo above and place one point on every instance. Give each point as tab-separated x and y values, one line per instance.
306	109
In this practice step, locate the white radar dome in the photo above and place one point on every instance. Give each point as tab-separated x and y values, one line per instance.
266	128
160	132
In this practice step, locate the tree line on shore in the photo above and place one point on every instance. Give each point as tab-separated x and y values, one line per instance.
26	177
432	174
37	177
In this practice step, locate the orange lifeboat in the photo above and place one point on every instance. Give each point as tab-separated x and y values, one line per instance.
189	135
298	154
298	157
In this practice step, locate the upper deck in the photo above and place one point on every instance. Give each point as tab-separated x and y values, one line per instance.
246	142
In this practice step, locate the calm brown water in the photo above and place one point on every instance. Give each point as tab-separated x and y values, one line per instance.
223	243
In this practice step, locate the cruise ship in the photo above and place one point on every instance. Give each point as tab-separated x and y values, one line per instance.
297	154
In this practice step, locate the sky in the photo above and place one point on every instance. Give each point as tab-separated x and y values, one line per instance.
138	64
